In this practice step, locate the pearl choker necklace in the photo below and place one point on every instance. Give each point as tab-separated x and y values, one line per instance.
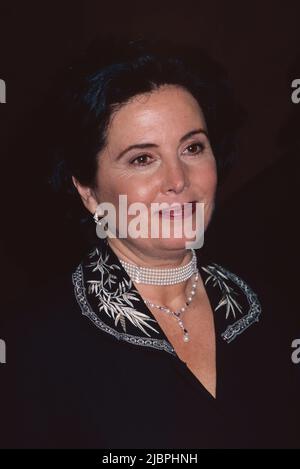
161	276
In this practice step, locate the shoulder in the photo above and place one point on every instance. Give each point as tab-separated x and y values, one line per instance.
44	325
49	301
255	314
246	281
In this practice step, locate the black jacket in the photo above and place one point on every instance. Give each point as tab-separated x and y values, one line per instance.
89	367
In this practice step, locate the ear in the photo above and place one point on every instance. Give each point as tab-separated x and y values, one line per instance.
87	196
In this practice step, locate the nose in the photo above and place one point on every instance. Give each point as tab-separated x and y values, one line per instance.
175	177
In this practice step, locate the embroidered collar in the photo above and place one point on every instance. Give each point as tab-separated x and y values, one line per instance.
108	297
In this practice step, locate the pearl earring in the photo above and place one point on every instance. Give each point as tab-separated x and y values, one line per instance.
100	229
97	218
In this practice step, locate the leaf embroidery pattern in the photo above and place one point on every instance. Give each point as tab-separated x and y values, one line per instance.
116	297
117	302
228	294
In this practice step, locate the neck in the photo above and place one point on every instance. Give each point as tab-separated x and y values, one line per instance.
164	294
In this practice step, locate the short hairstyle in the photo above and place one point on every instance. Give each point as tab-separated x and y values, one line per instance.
112	72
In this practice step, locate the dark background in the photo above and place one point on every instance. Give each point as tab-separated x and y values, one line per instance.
258	42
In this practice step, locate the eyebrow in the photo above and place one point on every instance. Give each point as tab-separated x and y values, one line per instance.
142	146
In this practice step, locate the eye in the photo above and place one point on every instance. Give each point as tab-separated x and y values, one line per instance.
140	160
195	148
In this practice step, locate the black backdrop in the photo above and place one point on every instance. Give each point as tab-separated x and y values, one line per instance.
258	42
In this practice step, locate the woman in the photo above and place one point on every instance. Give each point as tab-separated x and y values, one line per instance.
148	344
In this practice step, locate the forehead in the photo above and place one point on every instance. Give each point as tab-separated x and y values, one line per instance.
170	108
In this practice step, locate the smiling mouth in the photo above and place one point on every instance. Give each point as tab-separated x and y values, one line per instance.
184	210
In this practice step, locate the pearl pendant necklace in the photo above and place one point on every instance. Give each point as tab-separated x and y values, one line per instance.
178	313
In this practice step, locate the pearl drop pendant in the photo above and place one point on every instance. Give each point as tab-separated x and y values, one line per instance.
186	336
177	314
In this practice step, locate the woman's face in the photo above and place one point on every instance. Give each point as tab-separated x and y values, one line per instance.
157	151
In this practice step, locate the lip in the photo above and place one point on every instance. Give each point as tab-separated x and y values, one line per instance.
184	210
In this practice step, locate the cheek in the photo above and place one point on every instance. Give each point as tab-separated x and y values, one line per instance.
141	191
136	189
113	181
212	180
206	178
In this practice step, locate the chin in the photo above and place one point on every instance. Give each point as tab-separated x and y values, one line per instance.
170	244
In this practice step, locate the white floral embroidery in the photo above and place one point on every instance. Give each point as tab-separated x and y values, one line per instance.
228	293
104	268
117	303
116	297
80	295
234	330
